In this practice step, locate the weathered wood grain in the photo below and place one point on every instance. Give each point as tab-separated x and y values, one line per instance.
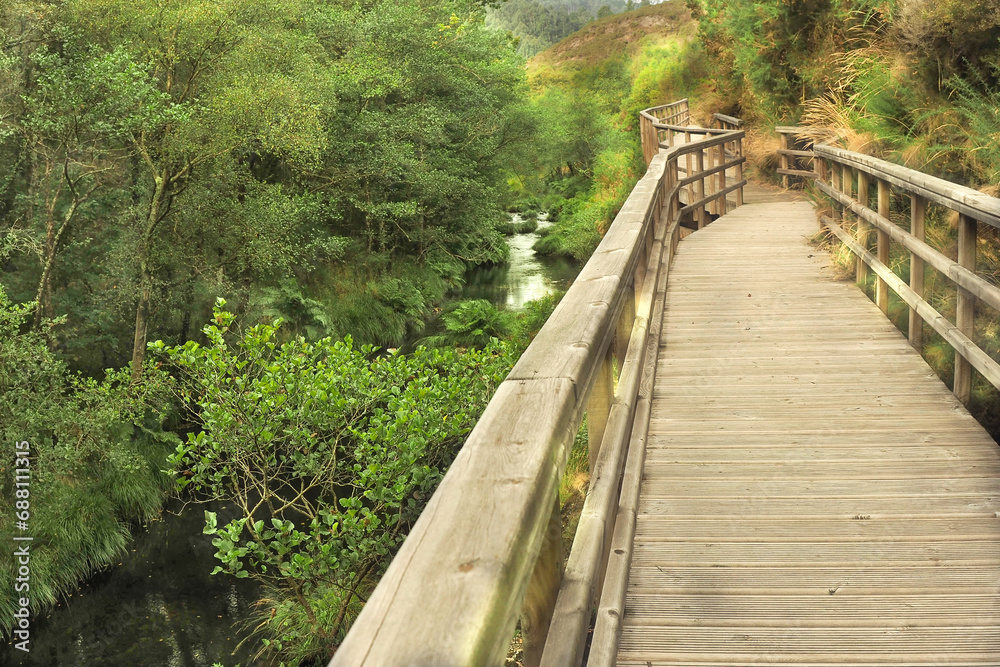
956	197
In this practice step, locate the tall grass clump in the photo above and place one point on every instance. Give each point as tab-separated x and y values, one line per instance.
96	451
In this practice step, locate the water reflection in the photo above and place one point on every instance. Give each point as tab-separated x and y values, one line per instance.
526	277
156	607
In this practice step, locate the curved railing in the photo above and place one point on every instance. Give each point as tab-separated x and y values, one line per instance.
837	172
486	550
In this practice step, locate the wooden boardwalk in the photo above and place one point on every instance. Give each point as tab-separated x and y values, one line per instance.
812	493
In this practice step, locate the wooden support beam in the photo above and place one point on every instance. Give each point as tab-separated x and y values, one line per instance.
701	214
721	207
918	211
543	589
739	170
784	159
966	310
599	407
884	205
861	269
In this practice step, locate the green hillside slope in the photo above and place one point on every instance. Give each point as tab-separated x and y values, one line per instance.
587	91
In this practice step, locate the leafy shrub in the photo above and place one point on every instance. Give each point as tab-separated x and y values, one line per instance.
329	452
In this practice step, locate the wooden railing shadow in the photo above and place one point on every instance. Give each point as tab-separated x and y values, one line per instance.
487	549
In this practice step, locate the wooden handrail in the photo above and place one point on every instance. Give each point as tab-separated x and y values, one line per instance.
487	547
837	170
789	157
725	122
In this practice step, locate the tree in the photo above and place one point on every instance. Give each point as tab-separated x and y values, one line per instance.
207	78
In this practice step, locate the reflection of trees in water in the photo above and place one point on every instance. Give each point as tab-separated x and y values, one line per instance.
161	590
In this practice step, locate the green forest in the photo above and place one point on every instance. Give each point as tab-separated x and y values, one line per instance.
234	236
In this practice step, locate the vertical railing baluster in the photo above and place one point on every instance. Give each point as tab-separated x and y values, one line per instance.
543	589
884	207
861	269
599	406
918	210
700	167
783	158
739	171
966	311
721	179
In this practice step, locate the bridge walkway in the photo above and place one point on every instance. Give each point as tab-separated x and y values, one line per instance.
812	493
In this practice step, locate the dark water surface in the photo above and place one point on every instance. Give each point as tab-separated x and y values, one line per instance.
155	607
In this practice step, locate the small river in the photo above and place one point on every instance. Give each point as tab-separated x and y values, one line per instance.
158	606
527	277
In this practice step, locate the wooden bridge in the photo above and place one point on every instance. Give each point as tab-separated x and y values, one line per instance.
777	477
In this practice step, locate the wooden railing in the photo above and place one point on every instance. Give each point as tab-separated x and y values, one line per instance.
487	548
838	171
652	120
724	122
795	155
719	152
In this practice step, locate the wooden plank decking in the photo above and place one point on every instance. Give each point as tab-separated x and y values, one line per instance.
812	493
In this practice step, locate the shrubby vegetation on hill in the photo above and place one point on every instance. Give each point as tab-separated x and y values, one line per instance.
538	24
587	91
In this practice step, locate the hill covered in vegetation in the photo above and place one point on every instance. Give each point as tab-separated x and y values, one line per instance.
588	90
537	24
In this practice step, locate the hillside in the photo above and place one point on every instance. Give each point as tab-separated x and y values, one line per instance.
611	37
588	90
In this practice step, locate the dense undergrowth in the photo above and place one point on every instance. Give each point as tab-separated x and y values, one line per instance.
911	81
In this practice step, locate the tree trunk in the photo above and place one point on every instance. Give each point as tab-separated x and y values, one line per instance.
141	321
158	206
44	294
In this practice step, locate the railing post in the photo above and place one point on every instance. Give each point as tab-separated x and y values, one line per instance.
861	269
835	184
711	181
700	194
540	598
739	171
644	127
599	406
966	311
721	179
918	211
847	187
881	289
674	201
784	158
687	167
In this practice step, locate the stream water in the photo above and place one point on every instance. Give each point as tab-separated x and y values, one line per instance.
159	607
526	277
